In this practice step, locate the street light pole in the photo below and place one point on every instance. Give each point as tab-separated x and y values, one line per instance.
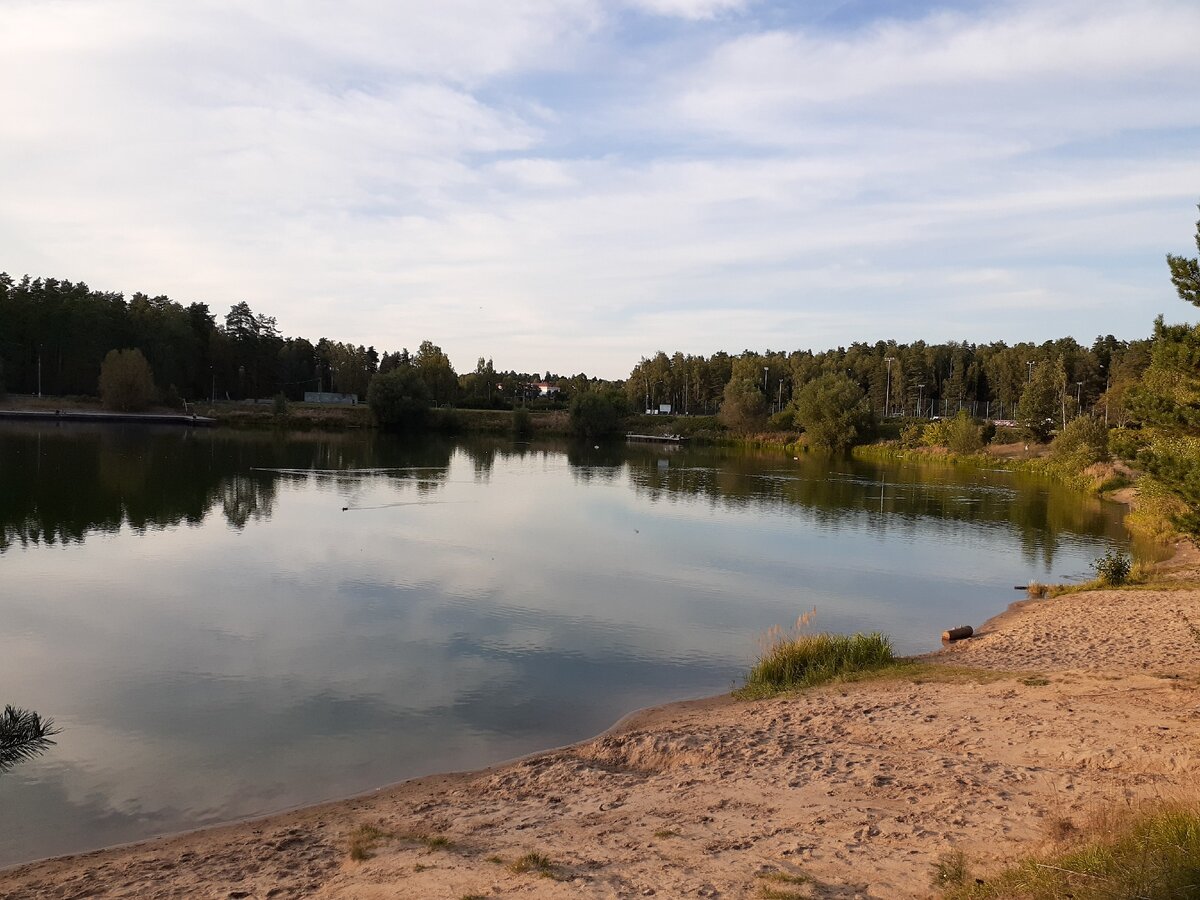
766	369
920	401
887	394
1078	398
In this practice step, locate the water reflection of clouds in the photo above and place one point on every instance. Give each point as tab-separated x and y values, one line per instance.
211	671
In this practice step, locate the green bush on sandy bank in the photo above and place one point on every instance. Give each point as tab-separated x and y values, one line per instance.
794	660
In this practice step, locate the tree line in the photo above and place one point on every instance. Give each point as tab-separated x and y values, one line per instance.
55	335
915	380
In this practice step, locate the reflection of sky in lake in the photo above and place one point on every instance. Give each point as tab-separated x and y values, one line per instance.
456	616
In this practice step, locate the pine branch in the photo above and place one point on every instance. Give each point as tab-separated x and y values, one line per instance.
23	735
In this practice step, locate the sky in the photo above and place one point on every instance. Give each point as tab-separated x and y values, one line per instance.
571	185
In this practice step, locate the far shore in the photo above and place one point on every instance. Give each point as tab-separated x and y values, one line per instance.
1008	742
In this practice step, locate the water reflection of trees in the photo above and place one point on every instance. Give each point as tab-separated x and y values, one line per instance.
62	482
850	493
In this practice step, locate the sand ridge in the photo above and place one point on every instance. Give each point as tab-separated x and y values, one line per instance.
1086	699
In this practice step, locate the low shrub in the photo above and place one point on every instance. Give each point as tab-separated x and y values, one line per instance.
1113	568
522	422
1007	434
784	420
1084	441
171	398
126	382
959	434
912	436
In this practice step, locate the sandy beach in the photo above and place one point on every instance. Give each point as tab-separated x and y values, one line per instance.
1057	707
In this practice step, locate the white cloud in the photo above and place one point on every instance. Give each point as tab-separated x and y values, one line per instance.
524	183
689	9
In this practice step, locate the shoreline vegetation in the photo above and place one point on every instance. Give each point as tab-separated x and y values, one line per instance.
1050	754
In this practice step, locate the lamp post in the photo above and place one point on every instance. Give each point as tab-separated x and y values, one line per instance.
1078	398
766	369
1029	369
920	401
887	394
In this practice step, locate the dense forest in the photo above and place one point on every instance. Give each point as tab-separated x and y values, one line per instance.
55	334
918	379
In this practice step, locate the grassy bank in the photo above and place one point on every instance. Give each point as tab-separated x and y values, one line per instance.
1154	509
793	659
1099	478
1121	852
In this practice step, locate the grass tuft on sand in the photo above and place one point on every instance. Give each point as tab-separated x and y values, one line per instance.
364	839
536	862
793	660
1124	853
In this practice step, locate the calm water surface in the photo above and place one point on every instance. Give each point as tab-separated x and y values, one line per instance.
227	624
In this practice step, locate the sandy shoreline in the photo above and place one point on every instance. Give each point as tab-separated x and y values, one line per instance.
1070	703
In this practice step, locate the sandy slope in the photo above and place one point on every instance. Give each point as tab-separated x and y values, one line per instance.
1090	698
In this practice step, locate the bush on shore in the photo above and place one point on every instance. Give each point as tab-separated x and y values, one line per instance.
1113	568
793	660
399	399
597	413
835	413
959	434
126	382
1083	442
522	422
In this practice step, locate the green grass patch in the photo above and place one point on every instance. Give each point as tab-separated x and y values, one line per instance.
899	669
950	871
1125	854
792	661
1138	581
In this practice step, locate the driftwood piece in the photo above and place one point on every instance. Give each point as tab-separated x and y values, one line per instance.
957	634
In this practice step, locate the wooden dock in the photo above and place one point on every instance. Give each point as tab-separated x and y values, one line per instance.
657	438
80	415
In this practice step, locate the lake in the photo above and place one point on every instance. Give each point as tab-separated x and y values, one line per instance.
225	624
